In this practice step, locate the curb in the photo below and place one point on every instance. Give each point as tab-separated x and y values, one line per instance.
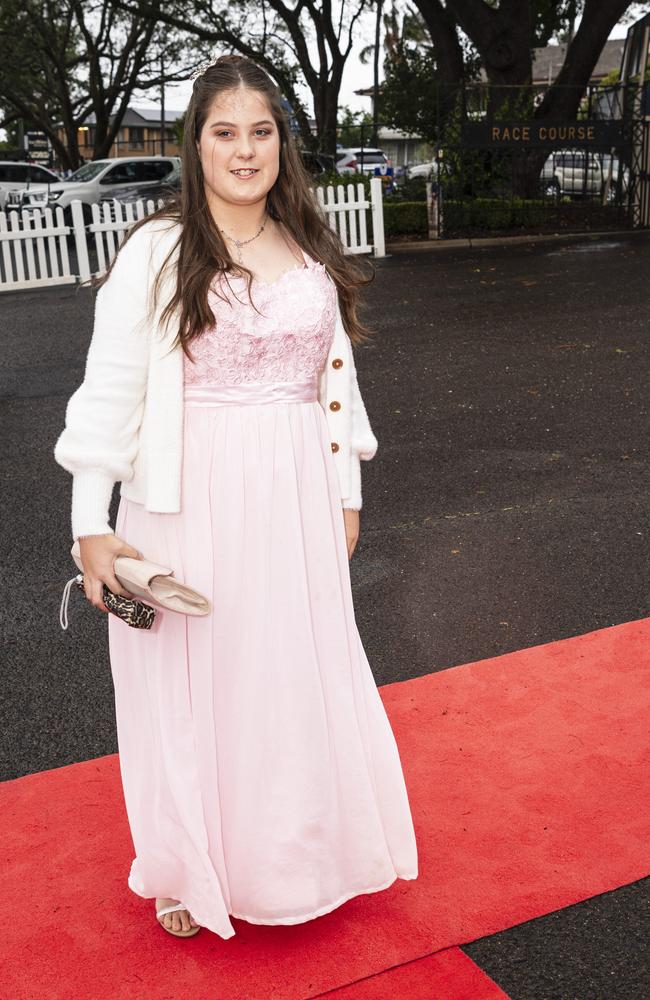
503	241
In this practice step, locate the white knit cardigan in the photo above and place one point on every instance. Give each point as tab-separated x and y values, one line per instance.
125	421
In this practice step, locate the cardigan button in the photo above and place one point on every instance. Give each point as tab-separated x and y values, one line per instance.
337	363
335	405
335	446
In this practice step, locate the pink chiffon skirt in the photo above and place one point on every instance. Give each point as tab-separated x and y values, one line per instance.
261	776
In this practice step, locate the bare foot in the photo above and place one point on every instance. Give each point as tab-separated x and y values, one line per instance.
180	920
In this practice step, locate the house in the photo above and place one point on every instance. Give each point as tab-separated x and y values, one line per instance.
140	134
548	61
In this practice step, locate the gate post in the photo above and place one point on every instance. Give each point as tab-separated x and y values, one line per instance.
641	189
433	210
81	245
377	208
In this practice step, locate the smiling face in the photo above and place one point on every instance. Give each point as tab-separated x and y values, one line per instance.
239	133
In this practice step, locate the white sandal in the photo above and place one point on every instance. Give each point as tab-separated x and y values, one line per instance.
172	909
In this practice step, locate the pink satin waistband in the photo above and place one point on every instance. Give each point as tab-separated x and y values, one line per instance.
210	394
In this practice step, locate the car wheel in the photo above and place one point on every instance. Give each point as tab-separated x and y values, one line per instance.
553	189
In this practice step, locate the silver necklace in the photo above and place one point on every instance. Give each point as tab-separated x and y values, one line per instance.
240	243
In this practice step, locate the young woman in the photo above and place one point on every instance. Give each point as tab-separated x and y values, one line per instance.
261	775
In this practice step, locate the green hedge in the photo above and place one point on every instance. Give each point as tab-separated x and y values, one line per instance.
486	214
404	217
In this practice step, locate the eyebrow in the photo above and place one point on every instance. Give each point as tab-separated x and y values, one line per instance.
265	121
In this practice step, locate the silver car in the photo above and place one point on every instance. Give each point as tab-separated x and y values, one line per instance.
98	178
17	175
573	172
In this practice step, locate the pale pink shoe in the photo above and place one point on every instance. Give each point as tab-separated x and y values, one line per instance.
172	909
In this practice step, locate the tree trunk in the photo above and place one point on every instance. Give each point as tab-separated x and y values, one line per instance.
563	98
447	49
502	36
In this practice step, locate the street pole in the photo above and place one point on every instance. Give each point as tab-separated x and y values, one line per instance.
162	103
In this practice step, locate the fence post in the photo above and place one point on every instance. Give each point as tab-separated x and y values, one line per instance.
81	245
433	210
377	206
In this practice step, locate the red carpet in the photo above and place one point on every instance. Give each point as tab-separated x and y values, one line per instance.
447	975
527	775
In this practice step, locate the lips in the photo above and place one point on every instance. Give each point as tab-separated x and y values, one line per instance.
248	173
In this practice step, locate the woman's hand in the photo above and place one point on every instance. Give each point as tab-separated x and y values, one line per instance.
97	553
351	518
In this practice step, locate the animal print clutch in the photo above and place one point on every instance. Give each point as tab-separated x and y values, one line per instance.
135	613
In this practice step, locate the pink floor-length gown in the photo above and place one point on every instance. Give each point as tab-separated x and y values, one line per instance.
261	776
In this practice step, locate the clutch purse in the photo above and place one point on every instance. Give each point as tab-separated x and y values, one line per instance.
143	579
135	613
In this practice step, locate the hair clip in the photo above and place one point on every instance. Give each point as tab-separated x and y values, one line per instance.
200	70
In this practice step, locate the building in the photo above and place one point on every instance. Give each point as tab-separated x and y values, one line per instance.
140	134
548	61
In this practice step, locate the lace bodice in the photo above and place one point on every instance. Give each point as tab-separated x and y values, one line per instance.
286	340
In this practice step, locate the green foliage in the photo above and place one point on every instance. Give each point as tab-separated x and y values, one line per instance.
342	180
411	93
612	78
178	128
404	218
413	189
353	126
554	19
491	216
494	214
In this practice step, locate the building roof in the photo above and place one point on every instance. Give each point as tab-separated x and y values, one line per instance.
547	62
153	115
141	116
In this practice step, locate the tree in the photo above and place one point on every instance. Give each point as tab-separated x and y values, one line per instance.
423	83
354	126
65	59
505	34
275	36
408	96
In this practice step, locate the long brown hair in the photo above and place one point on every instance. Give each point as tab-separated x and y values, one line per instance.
202	252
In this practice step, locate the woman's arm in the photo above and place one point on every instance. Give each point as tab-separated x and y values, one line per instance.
99	442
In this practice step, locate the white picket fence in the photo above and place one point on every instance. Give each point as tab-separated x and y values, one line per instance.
39	249
34	250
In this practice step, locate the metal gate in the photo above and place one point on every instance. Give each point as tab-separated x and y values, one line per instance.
500	173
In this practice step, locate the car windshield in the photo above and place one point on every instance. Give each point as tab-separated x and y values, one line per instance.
369	157
87	172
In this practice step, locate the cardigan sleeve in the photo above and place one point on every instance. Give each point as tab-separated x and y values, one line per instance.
99	442
363	443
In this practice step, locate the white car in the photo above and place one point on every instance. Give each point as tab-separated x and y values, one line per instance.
15	176
96	179
572	172
355	160
420	169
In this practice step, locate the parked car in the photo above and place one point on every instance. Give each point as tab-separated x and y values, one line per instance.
573	172
419	169
613	169
17	175
318	163
130	194
98	178
358	160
